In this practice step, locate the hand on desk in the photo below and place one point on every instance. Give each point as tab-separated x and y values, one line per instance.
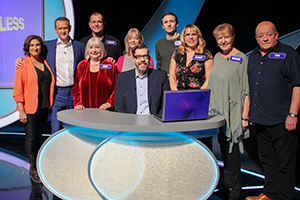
104	106
79	107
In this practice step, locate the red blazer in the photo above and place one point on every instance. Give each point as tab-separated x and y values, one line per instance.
26	87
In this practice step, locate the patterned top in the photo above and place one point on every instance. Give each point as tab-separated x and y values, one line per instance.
193	75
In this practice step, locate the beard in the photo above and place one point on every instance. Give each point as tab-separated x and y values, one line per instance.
141	70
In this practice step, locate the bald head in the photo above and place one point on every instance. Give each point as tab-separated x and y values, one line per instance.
265	24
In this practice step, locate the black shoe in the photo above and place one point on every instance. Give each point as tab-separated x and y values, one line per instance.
222	193
234	195
34	176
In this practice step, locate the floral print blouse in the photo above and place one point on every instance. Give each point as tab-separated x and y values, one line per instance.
193	75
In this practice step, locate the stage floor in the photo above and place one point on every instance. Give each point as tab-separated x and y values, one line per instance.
15	182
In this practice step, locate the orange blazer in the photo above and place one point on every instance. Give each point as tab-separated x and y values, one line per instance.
26	87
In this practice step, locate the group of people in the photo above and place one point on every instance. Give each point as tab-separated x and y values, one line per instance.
262	91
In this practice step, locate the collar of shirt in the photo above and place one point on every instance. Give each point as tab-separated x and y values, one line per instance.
275	48
137	76
59	42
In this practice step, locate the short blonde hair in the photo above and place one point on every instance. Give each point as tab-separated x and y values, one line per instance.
201	41
97	42
129	34
224	28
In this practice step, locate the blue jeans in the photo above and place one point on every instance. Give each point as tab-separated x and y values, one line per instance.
62	100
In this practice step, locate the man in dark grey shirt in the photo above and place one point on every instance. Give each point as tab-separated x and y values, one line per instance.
165	47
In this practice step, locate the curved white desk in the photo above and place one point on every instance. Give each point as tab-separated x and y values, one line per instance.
113	121
109	155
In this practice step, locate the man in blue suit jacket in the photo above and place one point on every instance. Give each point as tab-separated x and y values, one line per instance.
140	90
63	55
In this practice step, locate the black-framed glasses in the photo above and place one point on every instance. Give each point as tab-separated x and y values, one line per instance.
139	57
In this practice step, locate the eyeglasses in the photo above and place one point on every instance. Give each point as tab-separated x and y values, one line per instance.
268	35
139	57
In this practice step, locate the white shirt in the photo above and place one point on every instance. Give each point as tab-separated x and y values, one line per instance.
142	95
64	61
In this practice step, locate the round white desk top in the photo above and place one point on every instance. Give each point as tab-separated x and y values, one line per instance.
114	121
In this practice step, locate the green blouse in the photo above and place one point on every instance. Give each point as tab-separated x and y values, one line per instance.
228	82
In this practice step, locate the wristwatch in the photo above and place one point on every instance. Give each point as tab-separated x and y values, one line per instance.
293	115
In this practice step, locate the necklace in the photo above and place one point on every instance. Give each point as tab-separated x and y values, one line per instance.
95	63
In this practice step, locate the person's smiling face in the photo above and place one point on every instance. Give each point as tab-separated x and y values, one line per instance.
35	47
225	41
191	38
141	60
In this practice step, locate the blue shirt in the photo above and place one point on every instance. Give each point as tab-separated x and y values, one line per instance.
142	94
271	81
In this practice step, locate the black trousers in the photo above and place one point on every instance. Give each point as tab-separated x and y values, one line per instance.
34	130
277	154
232	165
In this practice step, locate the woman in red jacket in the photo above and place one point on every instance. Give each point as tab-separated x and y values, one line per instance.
33	92
95	79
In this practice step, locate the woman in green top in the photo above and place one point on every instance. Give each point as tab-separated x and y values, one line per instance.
229	97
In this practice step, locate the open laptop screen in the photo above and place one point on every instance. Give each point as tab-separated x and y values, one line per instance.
185	105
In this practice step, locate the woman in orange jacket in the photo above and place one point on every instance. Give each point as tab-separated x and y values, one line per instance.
33	92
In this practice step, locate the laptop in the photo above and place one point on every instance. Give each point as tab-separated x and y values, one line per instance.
184	105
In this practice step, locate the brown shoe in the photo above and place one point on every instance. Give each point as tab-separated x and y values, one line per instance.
260	197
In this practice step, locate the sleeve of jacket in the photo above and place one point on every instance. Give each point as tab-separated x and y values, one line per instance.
120	63
119	103
113	77
18	93
166	85
76	87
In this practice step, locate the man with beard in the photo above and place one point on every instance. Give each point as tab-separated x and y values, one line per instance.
140	90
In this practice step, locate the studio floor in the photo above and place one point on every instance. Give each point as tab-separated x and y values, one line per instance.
15	183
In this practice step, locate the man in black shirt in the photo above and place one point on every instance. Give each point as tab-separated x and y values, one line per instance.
274	83
111	44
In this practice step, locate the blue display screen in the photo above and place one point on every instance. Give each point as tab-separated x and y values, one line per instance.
18	19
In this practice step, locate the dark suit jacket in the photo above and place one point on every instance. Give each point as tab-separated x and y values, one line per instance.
125	93
78	51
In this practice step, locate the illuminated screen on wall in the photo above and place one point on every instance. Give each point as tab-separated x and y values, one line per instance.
18	19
